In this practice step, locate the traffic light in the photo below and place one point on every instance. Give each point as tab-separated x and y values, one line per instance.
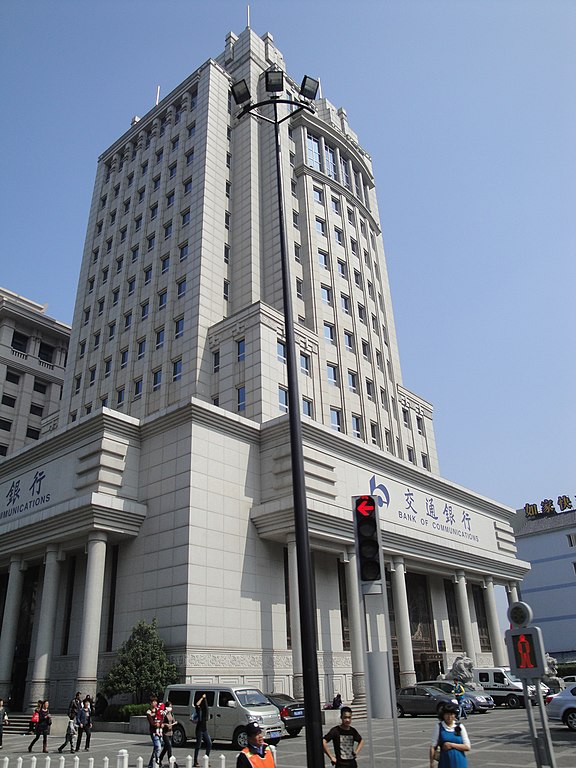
367	538
526	652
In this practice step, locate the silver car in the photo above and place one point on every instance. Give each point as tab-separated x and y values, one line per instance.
475	700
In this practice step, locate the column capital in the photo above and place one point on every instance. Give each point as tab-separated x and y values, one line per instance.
511	585
19	562
98	536
488	580
460	575
397	561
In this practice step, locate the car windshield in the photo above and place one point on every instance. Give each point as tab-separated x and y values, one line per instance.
252	697
433	691
511	676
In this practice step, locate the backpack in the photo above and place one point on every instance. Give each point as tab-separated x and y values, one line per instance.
194	716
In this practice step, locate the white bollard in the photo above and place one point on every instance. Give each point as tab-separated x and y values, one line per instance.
4	762
122	759
205	761
139	762
105	762
90	762
61	761
19	762
76	761
189	761
33	762
222	761
47	761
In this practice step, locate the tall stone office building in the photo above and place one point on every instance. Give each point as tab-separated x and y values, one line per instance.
166	489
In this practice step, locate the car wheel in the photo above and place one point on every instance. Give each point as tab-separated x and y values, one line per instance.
399	711
513	701
240	739
293	731
178	736
570	719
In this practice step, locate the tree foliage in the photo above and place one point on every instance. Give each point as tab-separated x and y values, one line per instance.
142	665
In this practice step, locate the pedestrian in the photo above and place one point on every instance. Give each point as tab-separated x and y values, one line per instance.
71	731
3	720
337	701
257	753
167	732
74	706
34	717
347	741
100	704
202	735
459	692
155	727
42	727
450	738
84	723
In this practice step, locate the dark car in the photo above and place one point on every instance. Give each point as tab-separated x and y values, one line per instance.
421	700
475	700
291	711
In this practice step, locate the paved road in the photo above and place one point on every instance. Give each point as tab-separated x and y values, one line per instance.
499	740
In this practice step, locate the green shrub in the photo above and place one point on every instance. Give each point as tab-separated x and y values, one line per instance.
121	713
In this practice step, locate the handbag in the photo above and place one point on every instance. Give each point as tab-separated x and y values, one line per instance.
437	752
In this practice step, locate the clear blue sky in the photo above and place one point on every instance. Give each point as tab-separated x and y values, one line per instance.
468	108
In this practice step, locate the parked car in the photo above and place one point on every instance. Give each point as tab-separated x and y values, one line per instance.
569	679
291	711
562	706
478	700
421	700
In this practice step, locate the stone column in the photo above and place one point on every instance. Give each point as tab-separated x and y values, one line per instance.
512	590
499	655
10	622
403	633
40	682
92	615
355	619
297	669
464	616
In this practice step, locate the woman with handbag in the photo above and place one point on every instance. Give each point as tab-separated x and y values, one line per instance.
450	740
42	727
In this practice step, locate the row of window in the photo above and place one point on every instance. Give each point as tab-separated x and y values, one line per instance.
323	157
31	432
40	386
10	402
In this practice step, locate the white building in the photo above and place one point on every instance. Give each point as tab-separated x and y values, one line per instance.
166	489
546	536
33	352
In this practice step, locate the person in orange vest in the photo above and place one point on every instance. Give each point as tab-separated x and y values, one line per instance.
257	754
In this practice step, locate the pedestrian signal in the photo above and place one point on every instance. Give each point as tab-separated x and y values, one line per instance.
526	652
367	538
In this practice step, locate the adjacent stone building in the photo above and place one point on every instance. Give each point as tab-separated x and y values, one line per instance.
165	490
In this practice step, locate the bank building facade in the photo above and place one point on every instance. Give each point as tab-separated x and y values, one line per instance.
162	486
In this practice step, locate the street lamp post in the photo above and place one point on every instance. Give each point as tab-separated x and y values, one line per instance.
274	86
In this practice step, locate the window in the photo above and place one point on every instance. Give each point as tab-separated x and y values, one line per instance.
46	352
342	268
226	254
127	320
281	351
181	288
141	348
357	278
425	461
126	205
179	328
339	236
3	450
159	338
187	186
305	364
406	417
330	161
120	393
321	227
156	379
162	299
362	313
329	332
81	349
299	288
186	217
323	259
137	389
100	307
216	361
241	350
191	130
91	285
297	256
326	294
352	381
12	377
77	384
374	433
226	292
92	377
345	303
111	331
365	350
190	158
159	155
295	218
10	401
165	264
86	321
420	425
5	425
123	358
151	241
354	247
332	373
307	407
177	369
170	199
184	251
318	195
336	206
349	341
135	253
138	224
411	456
227	219
172	171
168	230
241	398
370	389
356	426
40	386
107	367
313	152
33	434
108	245
97	340
283	399
336	419
174	144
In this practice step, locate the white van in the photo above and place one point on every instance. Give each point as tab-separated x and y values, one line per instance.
504	686
230	709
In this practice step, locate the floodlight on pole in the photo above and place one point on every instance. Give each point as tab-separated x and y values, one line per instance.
309	87
274	84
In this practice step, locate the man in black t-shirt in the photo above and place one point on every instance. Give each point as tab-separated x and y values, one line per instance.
346	739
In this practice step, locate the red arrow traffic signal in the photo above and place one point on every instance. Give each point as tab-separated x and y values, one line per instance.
365	505
367	541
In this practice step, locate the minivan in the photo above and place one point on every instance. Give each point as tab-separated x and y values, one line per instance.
230	709
504	686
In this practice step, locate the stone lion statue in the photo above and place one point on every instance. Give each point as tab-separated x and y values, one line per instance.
551	678
462	667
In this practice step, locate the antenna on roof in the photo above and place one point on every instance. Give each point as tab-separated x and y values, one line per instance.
248	16
157	95
319	89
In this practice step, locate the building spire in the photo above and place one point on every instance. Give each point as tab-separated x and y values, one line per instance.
248	17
